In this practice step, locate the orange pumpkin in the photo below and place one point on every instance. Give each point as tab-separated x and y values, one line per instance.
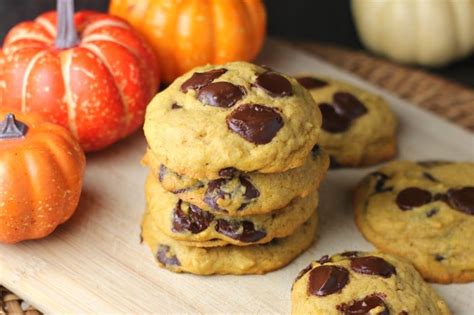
189	33
41	171
90	72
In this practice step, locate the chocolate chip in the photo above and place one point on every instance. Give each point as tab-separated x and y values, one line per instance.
381	179
311	83
364	306
176	106
332	121
333	163
195	220
302	272
348	105
164	257
200	79
403	313
228	172
220	94
462	199
432	212
325	280
274	84
350	254
225	189
371	265
412	197
324	259
315	151
429	177
256	123
162	172
439	257
441	197
240	230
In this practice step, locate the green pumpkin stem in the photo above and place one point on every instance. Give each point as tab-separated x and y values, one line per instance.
66	30
10	128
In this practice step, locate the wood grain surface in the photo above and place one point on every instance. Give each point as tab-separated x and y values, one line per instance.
96	264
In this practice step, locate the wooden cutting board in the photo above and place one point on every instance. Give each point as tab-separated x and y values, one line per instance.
95	262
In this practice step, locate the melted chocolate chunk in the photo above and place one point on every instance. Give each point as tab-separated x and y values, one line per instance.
348	105
176	106
364	306
324	259
371	265
325	280
200	79
432	212
228	172
439	257
195	220
413	197
165	258
311	83
274	84
462	199
256	123
403	313
243	231
220	94
333	163
220	189
350	254
429	177
441	197
315	151
381	179
332	121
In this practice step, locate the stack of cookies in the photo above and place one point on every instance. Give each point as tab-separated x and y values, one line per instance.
235	170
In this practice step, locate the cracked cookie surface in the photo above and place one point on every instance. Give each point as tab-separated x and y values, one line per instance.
424	212
235	115
363	283
358	127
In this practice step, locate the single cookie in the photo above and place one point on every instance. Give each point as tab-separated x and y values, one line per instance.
363	283
243	194
194	226
253	259
358	127
423	212
234	115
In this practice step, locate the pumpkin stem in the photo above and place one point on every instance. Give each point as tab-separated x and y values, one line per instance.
66	30
11	128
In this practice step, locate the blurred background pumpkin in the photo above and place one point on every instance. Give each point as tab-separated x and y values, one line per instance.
314	21
189	33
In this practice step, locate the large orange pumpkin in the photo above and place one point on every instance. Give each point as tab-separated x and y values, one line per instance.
189	33
41	171
96	81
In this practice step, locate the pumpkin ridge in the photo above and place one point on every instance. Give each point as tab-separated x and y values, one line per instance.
96	51
26	77
47	26
65	61
103	23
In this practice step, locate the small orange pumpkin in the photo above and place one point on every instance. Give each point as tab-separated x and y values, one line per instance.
189	33
41	171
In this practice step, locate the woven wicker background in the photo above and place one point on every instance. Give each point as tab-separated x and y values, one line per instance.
443	97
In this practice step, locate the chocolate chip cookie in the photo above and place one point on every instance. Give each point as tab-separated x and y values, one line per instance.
236	115
358	127
194	226
253	259
363	283
424	212
242	194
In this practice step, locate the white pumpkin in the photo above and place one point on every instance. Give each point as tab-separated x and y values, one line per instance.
425	32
